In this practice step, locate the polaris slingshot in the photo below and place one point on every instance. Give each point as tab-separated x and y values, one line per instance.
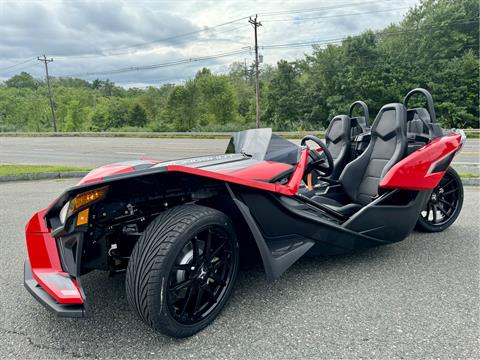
180	228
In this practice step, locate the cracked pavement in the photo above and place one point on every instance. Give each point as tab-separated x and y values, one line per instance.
415	299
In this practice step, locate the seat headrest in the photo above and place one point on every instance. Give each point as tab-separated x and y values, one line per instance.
338	129
415	126
390	119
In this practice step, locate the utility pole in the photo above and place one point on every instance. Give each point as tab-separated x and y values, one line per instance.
255	25
245	69
46	61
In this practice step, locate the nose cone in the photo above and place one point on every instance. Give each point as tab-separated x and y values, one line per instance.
115	169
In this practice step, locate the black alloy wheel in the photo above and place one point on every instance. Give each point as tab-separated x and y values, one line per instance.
200	276
182	269
444	204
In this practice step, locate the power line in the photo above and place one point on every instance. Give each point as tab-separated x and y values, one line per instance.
310	10
126	49
161	65
17	64
370	65
248	49
345	37
336	15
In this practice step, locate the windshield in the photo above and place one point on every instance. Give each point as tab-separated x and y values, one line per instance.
262	144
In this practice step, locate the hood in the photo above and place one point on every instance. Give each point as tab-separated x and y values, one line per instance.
240	165
256	154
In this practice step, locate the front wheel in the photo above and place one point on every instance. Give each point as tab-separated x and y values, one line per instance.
444	205
182	269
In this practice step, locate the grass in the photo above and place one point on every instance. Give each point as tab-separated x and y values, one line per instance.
465	175
36	169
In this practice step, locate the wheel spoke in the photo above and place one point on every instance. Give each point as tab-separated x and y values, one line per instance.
216	251
200	275
218	264
218	280
447	183
181	285
208	245
198	302
450	205
449	192
189	296
434	208
442	210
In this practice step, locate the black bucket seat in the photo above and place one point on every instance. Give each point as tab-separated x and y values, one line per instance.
338	141
360	178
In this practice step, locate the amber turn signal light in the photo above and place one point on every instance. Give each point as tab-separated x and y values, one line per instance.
87	198
82	217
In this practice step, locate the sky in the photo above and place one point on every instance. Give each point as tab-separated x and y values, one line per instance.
88	38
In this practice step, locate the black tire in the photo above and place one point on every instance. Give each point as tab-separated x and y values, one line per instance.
153	285
444	204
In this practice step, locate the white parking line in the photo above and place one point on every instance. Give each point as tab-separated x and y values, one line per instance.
129	153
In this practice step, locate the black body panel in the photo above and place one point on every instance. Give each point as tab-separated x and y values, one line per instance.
61	310
286	228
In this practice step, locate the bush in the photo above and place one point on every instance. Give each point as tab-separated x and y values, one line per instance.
130	129
228	127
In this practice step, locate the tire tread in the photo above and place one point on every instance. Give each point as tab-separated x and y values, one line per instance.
150	255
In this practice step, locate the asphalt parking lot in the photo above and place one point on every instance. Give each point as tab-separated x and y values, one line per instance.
97	151
415	299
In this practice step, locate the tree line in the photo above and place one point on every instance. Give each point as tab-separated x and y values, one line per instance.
435	46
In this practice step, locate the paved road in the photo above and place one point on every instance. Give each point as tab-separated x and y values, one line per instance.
96	151
415	299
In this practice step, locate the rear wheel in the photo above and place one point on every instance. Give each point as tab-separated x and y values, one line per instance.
444	205
182	270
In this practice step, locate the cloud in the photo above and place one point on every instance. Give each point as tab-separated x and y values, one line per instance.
77	33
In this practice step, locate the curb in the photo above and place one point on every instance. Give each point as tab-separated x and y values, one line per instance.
44	176
80	174
471	181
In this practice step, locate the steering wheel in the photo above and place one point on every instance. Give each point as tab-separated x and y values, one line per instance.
318	161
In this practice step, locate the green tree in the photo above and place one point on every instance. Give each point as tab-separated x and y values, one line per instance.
218	97
183	106
119	112
282	99
137	116
22	81
74	118
100	119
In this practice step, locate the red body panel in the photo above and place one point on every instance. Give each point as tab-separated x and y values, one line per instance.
45	263
264	170
114	169
415	171
107	170
248	176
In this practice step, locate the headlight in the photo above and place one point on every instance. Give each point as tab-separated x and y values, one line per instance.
80	201
63	212
86	198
